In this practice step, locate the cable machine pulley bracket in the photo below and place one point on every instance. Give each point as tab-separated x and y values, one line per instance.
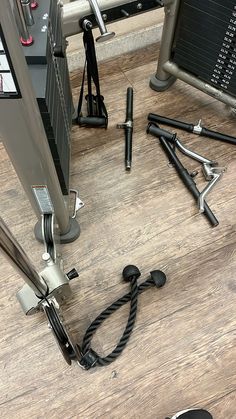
124	11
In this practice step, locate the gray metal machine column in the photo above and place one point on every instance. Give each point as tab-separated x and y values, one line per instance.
162	79
22	130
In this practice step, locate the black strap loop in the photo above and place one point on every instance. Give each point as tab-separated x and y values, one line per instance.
95	103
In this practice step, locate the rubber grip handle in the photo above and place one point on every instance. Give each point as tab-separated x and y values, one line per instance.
217	136
171	122
92	121
129	104
128	147
159	132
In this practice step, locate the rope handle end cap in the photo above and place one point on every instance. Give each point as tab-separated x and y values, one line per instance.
158	277
129	272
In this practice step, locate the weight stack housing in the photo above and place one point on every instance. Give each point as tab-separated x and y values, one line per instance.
47	63
205	42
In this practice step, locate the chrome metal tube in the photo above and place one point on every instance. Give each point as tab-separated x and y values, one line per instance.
162	79
26	6
19	260
105	35
26	38
171	13
97	14
191	153
206	190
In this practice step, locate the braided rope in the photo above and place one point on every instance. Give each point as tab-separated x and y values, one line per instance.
132	296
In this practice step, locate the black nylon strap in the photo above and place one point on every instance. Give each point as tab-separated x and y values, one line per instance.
81	95
95	104
91	58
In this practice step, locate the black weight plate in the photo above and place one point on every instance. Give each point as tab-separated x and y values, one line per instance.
205	43
199	71
205	53
212	65
211	8
215	31
230	4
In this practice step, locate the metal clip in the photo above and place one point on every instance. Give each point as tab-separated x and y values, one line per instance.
78	203
127	124
197	129
86	24
88	360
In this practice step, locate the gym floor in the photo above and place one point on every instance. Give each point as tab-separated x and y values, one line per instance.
183	349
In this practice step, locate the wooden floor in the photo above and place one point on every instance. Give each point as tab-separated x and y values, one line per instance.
183	350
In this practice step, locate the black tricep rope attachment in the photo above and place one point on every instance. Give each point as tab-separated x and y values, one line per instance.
89	358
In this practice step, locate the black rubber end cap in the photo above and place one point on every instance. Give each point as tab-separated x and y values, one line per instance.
129	272
196	414
72	274
159	278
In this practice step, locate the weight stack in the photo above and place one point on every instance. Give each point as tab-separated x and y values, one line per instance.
47	64
205	42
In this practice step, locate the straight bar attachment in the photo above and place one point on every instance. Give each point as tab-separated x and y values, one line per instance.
195	129
128	127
